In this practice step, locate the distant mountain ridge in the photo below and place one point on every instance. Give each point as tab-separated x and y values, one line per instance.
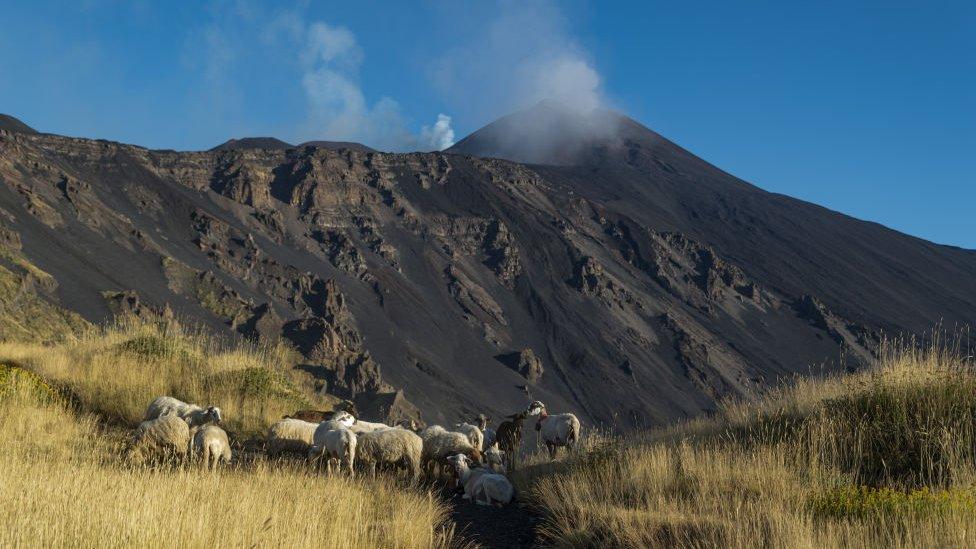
616	274
275	143
12	124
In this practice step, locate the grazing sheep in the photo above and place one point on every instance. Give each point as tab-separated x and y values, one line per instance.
474	434
195	416
439	443
158	440
361	427
509	437
390	447
334	439
495	460
481	485
292	436
211	443
487	432
557	430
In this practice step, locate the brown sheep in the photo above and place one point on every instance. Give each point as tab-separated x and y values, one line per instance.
312	416
509	438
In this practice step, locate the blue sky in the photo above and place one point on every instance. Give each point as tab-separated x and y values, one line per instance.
868	108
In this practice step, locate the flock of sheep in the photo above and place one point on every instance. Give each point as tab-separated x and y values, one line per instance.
479	457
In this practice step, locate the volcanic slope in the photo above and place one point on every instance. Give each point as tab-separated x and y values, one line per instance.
630	281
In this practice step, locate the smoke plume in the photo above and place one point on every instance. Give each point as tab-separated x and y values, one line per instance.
338	109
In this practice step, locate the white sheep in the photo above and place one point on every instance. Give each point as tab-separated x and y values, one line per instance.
361	427
482	485
290	436
392	447
495	459
556	430
195	416
212	445
159	439
439	443
487	432
474	434
334	439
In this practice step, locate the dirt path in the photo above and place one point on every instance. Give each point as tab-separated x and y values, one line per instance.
494	527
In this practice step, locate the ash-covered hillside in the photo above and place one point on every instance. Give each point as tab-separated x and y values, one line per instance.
617	275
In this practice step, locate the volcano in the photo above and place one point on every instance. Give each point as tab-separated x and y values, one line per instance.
578	259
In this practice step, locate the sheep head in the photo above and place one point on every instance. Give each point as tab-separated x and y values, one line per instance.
536	408
345	418
213	415
495	459
459	461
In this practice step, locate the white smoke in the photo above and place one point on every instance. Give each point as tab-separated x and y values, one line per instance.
338	109
438	137
524	54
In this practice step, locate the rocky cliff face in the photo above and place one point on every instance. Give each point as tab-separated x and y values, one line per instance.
635	288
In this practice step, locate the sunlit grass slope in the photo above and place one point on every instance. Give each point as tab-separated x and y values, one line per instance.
881	458
63	413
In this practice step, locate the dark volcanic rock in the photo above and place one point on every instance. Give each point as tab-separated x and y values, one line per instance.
338	145
652	283
252	143
526	363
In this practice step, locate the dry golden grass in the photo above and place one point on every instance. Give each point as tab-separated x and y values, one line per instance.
116	371
883	458
64	486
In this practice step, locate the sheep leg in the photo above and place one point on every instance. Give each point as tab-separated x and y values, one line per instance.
552	451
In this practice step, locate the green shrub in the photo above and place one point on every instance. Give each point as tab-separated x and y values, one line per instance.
863	502
155	347
17	381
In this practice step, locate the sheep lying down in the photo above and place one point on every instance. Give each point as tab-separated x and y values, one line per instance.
481	485
195	416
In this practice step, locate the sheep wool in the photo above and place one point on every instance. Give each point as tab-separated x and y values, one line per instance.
481	485
160	439
334	441
391	447
556	430
193	414
474	434
290	436
210	443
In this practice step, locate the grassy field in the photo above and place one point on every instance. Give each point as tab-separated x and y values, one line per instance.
882	458
63	409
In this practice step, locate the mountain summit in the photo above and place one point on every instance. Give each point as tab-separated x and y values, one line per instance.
547	133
